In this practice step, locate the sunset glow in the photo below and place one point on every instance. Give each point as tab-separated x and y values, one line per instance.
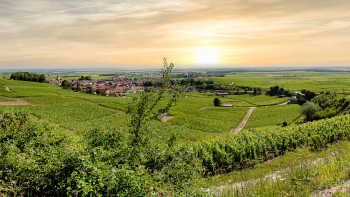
206	57
65	34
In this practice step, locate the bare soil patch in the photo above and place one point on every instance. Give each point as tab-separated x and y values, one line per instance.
7	88
167	118
13	103
205	107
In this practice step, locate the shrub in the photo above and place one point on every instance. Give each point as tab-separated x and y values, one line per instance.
217	102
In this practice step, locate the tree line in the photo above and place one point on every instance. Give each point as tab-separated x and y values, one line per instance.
26	76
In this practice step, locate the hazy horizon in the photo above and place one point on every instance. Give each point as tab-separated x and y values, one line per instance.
192	34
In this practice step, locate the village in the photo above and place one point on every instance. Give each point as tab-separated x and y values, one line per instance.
115	86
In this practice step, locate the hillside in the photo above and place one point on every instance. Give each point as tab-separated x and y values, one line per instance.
73	143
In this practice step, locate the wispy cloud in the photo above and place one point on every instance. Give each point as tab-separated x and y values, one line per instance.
221	35
63	11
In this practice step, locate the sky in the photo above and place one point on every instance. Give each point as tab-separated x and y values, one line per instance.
189	33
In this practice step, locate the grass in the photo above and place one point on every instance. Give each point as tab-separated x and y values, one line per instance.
299	174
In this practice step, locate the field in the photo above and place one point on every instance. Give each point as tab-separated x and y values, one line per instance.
182	153
313	81
273	115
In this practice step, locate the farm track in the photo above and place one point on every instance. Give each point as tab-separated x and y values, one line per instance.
284	103
205	107
13	103
244	121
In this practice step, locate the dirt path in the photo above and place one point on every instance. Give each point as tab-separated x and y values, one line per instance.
167	118
284	103
205	107
13	103
242	124
7	88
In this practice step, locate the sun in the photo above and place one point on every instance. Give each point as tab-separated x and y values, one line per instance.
206	57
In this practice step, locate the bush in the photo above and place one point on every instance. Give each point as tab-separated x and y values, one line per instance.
217	102
309	109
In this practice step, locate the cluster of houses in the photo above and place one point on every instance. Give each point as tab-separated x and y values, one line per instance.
114	86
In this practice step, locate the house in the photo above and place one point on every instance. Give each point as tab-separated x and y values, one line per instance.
295	93
131	91
293	100
222	94
227	104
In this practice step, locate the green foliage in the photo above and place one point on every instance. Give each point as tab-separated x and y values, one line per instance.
301	99
69	114
217	102
273	115
49	100
43	160
309	109
215	120
330	106
26	76
85	78
144	107
6	99
66	85
259	100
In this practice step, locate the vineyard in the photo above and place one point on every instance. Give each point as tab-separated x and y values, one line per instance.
273	115
193	145
316	82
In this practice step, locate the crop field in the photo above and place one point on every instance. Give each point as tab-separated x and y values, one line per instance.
212	119
273	115
313	81
69	114
52	99
6	99
194	144
256	100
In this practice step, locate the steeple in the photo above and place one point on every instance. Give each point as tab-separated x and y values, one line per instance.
58	77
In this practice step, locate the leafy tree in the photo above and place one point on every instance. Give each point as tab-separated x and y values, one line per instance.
217	102
301	99
42	78
145	106
148	83
98	91
26	76
91	91
309	109
78	89
284	124
259	90
66	85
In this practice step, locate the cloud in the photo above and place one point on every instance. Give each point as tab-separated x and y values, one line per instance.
63	11
105	31
220	35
